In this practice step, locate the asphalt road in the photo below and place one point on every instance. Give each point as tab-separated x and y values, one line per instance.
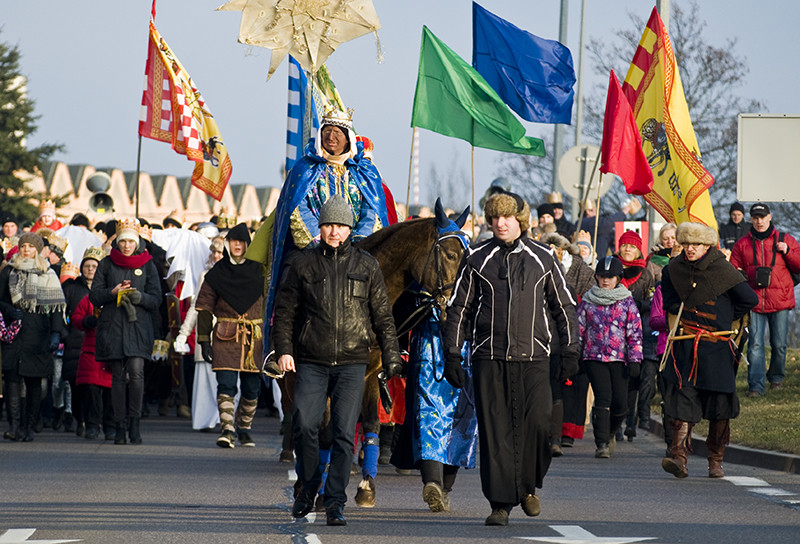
178	487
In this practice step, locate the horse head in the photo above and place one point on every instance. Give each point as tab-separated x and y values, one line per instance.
439	273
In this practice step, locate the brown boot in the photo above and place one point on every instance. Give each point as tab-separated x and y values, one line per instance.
675	464
719	432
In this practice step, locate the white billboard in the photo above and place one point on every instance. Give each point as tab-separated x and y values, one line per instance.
767	166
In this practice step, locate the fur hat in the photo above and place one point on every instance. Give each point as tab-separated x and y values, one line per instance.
506	203
609	267
33	239
555	239
696	233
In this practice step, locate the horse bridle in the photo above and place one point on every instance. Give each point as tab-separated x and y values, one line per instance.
437	297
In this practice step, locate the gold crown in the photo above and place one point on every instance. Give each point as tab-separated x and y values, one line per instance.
127	224
177	216
338	118
53	240
69	270
226	219
145	232
95	253
554	198
47	207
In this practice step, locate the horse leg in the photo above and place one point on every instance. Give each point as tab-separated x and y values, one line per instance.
370	426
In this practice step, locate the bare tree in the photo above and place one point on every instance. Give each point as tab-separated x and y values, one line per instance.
449	185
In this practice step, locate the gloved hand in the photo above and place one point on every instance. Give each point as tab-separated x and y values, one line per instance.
89	322
205	350
454	372
634	369
15	314
55	340
569	364
393	367
180	344
135	297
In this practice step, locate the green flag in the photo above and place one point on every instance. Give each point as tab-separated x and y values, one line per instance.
453	99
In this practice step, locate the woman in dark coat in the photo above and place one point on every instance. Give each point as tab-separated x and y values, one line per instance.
30	291
126	288
700	370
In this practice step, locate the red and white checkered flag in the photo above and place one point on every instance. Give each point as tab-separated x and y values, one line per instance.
173	111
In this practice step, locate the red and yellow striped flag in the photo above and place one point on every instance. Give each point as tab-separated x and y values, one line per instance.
654	89
173	111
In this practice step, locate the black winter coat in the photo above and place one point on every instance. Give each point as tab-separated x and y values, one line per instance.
29	353
118	338
329	303
74	291
504	299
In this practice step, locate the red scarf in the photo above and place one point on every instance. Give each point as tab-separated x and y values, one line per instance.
133	261
636	263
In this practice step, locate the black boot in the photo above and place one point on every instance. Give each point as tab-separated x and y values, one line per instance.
136	438
601	425
14	412
556	422
68	421
119	437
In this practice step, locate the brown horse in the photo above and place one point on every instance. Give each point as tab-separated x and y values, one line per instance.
420	253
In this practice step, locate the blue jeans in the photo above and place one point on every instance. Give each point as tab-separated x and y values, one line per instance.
250	383
344	384
778	323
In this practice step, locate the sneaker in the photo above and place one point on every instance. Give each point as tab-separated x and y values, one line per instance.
773	386
531	505
602	452
245	440
227	439
499	516
287	456
433	495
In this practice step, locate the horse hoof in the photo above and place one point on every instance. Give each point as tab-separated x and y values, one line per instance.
365	496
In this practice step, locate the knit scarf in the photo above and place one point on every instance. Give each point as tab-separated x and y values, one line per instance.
34	287
129	261
699	281
633	269
605	297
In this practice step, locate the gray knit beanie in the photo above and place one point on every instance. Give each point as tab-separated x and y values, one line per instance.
337	211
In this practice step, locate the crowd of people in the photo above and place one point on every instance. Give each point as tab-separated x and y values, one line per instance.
541	312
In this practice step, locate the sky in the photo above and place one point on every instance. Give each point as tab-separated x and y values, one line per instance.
85	66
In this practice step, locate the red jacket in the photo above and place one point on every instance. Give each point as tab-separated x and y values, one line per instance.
90	371
780	293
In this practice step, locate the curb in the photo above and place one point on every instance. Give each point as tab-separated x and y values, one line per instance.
740	455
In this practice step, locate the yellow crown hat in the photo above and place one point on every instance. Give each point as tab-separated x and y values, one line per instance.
127	229
69	271
47	207
95	253
146	232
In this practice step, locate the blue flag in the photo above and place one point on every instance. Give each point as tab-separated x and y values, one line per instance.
532	75
296	114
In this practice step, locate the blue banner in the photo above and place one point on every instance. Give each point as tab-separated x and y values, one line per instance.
534	76
295	115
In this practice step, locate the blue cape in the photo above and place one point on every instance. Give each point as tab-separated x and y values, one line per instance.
301	178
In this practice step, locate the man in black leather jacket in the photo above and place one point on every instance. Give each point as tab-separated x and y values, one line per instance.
330	301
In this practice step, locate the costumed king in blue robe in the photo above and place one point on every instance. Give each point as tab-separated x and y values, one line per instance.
332	163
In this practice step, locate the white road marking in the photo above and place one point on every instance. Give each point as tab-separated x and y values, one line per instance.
772	491
20	536
746	481
575	534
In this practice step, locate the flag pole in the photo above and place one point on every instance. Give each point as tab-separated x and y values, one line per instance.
138	163
472	234
586	192
597	216
410	168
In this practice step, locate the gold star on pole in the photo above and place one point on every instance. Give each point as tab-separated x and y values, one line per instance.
309	30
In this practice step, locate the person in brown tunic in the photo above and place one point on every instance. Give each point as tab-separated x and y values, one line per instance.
233	292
